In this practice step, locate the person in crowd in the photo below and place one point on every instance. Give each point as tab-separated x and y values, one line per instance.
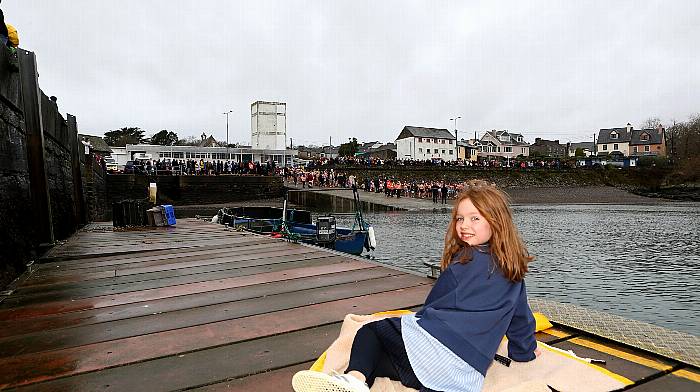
435	189
443	193
479	297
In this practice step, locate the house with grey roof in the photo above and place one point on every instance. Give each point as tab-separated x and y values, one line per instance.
426	143
548	148
588	148
648	142
503	144
631	142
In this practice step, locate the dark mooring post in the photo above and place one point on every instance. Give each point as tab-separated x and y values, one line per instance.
78	195
38	181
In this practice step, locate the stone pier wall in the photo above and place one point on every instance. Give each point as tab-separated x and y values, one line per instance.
46	179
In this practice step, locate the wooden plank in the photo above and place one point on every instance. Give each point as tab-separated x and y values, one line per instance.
120	312
279	380
169	278
42	309
125	261
196	368
154	323
164	270
288	325
36	159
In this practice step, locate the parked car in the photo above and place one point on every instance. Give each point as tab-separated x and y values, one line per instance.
133	167
112	165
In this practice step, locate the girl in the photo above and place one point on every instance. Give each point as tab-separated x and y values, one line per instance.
451	342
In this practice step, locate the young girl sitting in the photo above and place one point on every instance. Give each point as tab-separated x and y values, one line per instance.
451	342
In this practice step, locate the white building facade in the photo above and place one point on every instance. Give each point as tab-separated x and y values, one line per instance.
240	154
420	143
268	125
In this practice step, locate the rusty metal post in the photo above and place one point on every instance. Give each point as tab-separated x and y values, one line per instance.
36	158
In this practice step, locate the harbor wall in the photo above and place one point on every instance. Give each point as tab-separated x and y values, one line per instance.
47	180
194	190
630	178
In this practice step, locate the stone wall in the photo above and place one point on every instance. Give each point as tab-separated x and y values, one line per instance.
194	190
48	157
17	231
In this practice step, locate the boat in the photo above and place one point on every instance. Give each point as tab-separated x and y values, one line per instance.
298	226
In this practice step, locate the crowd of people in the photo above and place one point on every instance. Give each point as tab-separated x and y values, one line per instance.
438	191
200	167
517	163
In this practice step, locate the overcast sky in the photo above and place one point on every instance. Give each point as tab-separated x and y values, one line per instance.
550	69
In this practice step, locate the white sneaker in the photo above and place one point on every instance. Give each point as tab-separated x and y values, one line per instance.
311	381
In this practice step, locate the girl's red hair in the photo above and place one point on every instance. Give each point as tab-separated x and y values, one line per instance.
506	246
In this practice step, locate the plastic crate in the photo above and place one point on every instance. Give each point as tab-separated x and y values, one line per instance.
169	214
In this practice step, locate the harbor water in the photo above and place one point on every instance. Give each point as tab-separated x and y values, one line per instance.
638	261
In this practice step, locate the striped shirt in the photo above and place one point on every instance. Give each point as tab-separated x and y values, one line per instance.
424	351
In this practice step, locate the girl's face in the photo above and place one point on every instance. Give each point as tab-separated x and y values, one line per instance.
470	226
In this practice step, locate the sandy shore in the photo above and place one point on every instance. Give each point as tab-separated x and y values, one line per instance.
579	195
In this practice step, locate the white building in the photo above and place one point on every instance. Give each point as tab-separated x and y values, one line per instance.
504	144
239	154
425	143
268	125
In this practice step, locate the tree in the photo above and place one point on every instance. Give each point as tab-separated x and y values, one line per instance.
164	138
348	149
189	141
651	123
123	136
579	152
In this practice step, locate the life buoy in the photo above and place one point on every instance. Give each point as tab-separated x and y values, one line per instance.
372	239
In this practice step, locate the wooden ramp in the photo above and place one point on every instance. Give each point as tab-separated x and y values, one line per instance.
199	307
191	306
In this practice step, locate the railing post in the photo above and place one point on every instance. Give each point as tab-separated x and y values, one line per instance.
38	181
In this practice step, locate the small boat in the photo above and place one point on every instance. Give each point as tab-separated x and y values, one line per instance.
298	226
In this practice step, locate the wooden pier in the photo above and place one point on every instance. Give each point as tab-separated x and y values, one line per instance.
201	307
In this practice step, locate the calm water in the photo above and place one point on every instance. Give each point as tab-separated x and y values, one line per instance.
640	262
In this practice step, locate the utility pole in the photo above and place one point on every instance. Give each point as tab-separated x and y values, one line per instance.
228	155
456	138
291	145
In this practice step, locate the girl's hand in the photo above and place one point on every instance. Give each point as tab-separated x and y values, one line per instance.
537	352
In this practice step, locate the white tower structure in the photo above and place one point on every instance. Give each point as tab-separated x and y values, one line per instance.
268	125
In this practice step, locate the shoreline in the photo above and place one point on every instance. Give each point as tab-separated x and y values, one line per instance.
519	196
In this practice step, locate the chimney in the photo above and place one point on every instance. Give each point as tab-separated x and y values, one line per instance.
629	127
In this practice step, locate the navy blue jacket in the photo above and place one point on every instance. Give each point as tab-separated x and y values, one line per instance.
472	306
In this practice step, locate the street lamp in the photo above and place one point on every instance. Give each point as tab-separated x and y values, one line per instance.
228	156
456	138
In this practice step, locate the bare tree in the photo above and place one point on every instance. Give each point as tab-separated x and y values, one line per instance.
650	123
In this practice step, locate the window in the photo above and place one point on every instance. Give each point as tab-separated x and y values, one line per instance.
507	149
646	148
451	152
427	140
615	148
450	141
427	150
605	147
523	151
613	135
443	151
420	139
498	149
644	136
435	140
635	149
442	141
420	150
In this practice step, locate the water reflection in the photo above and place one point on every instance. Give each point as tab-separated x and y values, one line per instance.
639	262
